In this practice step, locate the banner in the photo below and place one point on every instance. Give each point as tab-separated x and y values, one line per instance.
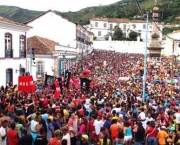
26	84
67	78
49	80
85	84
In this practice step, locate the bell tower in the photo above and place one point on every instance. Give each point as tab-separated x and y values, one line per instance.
155	46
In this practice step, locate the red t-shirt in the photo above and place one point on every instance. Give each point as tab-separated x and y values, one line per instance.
12	136
152	132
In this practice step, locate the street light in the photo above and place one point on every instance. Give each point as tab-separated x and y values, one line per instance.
18	70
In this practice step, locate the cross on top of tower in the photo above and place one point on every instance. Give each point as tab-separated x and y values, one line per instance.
156	2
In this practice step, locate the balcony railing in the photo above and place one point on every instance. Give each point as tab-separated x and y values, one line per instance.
22	54
8	53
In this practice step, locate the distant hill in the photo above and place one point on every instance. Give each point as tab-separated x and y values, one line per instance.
122	9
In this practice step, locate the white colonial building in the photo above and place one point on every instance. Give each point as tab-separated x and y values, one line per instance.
101	27
53	26
69	39
172	43
13	50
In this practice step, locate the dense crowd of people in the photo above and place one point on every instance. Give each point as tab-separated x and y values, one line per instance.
111	112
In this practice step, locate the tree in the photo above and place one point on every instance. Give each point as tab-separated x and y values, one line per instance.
133	35
118	34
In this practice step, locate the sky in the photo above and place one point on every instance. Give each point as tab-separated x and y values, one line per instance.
59	5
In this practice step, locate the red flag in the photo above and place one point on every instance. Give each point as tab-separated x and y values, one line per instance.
57	92
26	84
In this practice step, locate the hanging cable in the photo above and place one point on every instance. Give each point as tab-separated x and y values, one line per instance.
166	35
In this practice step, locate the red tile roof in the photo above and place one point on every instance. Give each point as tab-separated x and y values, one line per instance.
117	20
41	45
3	19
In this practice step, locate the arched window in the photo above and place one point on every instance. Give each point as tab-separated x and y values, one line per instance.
8	41
39	68
22	43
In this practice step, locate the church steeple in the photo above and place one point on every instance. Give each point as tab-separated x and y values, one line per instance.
155	46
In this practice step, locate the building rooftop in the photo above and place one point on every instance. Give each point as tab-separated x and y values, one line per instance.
41	45
117	20
3	19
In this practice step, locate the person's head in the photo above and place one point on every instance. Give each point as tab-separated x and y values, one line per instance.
64	130
57	133
64	142
84	138
152	124
4	123
13	126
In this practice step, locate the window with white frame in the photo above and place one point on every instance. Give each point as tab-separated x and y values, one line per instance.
22	43
134	26
99	33
124	26
39	68
96	24
111	26
8	41
144	26
105	25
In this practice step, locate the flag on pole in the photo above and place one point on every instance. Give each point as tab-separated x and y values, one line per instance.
67	78
85	84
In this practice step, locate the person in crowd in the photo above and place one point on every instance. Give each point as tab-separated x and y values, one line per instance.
139	133
55	140
12	135
26	138
3	132
66	135
151	133
41	139
84	140
162	136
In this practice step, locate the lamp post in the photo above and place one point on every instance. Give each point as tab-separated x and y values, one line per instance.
145	58
20	66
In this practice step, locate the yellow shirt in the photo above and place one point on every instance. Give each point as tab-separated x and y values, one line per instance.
101	142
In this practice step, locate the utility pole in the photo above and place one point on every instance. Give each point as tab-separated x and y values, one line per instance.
145	58
30	58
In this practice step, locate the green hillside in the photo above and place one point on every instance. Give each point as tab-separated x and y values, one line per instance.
122	9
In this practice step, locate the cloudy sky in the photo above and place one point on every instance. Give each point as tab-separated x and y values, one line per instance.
60	5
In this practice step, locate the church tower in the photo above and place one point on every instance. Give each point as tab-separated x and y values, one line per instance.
155	46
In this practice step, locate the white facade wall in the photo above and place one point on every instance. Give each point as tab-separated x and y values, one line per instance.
14	65
169	44
121	46
48	65
54	27
15	62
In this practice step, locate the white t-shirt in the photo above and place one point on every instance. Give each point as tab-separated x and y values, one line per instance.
98	124
2	133
142	117
67	137
177	115
33	126
118	110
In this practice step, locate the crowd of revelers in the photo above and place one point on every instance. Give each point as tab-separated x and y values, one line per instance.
112	112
